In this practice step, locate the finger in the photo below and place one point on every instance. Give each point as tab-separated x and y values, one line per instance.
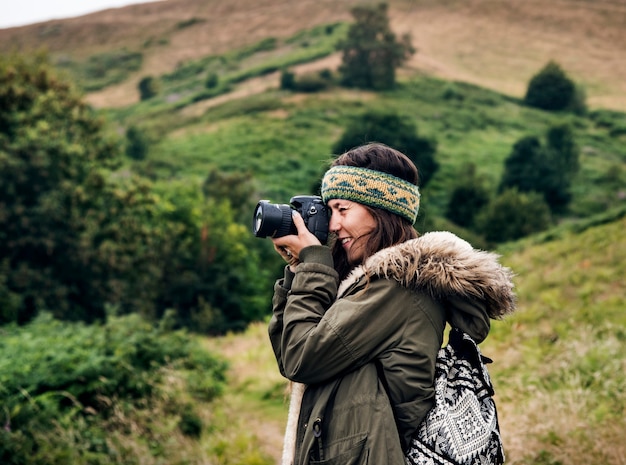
298	221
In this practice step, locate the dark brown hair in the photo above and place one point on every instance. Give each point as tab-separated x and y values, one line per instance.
390	228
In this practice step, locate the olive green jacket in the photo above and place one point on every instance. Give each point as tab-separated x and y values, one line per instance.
389	314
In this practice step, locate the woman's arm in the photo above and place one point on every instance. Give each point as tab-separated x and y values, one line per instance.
322	338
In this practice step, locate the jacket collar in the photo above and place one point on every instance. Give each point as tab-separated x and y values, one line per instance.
443	266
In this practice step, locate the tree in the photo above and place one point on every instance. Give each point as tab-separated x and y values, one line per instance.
551	89
370	52
395	131
513	215
212	276
548	169
72	239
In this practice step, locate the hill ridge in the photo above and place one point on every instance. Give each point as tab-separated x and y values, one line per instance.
498	44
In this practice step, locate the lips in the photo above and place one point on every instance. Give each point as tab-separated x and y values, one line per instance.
345	241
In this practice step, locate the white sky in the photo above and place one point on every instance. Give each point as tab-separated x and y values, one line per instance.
22	12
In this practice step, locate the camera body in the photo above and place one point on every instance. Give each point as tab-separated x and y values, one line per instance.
274	220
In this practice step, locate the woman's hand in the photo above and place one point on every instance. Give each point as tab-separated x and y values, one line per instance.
289	247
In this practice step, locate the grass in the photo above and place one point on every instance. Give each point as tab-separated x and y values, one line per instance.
560	366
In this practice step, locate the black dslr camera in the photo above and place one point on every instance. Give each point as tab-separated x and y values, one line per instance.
274	220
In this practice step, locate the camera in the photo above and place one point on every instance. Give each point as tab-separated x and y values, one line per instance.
274	220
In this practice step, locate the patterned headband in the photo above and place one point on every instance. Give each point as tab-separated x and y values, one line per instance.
372	188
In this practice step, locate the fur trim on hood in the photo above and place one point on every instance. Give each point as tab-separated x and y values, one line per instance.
445	267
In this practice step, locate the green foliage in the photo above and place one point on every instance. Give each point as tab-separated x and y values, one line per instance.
104	69
93	382
53	154
76	237
513	215
137	143
287	80
549	169
212	81
396	131
189	22
210	270
551	89
370	52
149	87
468	198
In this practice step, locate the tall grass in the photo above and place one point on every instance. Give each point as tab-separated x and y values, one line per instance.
560	370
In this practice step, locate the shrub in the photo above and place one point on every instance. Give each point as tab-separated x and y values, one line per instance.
71	235
86	384
467	199
311	82
212	81
513	215
545	168
287	80
551	89
136	143
148	87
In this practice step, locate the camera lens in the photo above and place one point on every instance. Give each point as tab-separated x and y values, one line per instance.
272	220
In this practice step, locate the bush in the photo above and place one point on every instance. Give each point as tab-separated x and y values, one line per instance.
136	143
551	89
467	199
85	385
513	215
545	168
212	81
287	80
70	234
148	87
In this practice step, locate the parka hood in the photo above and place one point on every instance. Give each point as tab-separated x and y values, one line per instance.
472	283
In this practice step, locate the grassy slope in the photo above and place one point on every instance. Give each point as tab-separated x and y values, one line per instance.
498	44
559	366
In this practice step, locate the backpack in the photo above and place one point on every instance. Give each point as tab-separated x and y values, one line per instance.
462	427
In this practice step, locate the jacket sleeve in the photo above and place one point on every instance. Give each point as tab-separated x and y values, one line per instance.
275	327
322	338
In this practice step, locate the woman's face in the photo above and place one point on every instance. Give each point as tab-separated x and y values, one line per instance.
352	223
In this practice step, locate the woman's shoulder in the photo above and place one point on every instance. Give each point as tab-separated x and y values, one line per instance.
442	264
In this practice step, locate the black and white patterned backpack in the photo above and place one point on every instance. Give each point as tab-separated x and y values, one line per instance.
462	428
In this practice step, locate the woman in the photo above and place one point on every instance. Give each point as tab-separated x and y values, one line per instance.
373	306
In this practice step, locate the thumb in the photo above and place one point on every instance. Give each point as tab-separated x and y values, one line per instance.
298	221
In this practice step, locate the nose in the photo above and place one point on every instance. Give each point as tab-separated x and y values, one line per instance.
334	224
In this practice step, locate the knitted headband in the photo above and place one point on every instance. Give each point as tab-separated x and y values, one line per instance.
372	188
